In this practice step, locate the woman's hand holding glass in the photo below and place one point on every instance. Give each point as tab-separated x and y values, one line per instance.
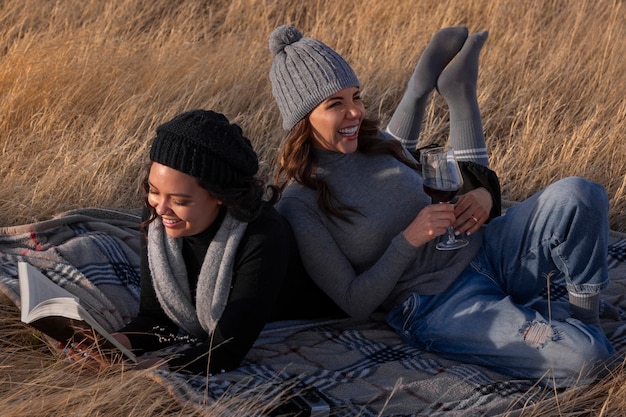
472	210
433	221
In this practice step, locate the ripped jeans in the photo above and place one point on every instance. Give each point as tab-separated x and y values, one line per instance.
489	316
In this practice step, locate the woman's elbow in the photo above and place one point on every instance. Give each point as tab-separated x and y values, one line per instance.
359	312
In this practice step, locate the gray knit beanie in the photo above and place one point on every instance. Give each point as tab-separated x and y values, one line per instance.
304	73
205	145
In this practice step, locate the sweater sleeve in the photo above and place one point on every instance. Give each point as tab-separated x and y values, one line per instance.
357	293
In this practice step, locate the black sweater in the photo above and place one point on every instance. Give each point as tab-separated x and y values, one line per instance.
268	283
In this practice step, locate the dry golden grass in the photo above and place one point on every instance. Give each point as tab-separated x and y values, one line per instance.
35	381
83	84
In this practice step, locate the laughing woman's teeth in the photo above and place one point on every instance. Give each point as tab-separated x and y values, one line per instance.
349	131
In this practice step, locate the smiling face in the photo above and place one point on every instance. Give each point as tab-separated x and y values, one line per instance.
184	207
335	121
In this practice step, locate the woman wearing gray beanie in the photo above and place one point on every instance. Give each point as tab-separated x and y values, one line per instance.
367	231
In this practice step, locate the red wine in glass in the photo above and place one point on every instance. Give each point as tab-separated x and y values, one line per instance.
442	181
441	193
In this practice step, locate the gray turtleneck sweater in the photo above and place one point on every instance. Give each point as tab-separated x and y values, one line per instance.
368	263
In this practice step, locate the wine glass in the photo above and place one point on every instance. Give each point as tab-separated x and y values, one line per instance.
442	180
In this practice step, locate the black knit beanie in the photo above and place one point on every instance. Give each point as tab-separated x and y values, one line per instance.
205	145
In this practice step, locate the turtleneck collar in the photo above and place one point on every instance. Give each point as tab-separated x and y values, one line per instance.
325	159
208	234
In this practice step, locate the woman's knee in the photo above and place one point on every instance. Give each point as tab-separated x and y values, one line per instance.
580	192
597	351
587	353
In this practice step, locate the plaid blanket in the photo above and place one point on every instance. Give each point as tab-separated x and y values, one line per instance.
93	253
355	367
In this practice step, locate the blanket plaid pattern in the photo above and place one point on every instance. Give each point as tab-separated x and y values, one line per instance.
93	253
362	369
359	367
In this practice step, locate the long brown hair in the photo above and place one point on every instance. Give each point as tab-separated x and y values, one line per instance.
296	161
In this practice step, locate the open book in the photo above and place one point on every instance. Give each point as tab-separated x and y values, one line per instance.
57	313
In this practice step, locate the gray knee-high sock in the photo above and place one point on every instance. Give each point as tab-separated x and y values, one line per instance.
457	84
585	307
406	122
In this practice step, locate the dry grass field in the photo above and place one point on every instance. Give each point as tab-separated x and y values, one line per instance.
83	85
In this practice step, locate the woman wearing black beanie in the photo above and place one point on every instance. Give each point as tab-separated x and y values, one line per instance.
215	252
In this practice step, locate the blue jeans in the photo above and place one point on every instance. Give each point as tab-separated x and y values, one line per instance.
489	316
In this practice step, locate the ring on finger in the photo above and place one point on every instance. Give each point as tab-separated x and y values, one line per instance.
474	218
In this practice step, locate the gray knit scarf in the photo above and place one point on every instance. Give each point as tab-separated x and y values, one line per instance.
169	275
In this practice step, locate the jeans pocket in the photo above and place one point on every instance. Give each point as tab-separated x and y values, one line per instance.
403	320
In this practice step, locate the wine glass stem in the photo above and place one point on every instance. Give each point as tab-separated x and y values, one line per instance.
451	237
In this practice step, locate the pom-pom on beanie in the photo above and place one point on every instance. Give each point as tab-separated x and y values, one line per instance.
304	73
205	145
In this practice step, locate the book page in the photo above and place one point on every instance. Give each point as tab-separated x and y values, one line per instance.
42	300
36	288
